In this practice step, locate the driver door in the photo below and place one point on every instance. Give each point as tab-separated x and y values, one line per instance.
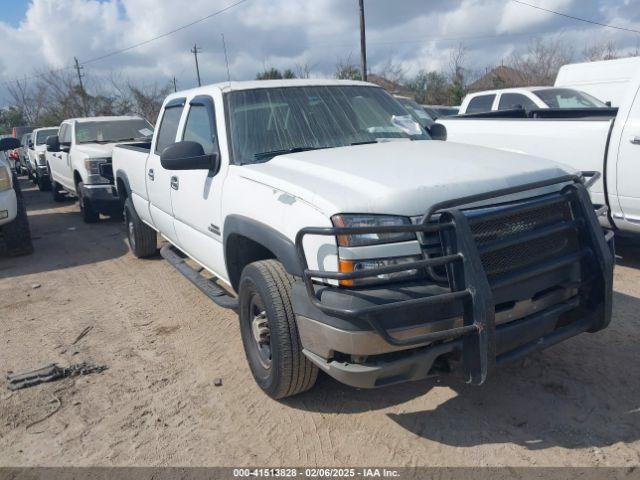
196	194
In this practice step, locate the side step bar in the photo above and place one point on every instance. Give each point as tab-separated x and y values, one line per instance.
207	286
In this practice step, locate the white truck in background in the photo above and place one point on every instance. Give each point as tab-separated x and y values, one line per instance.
607	80
602	140
527	98
350	243
36	157
15	234
78	160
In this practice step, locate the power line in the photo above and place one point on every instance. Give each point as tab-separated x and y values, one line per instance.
593	22
131	47
166	34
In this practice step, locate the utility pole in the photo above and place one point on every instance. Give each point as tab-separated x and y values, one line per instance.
363	44
175	88
82	92
195	50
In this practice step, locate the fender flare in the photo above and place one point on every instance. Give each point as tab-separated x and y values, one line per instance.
281	246
122	175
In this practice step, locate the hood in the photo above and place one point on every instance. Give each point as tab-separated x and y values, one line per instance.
403	178
93	150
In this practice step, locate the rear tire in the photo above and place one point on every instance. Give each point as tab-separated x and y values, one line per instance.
267	321
17	235
89	214
143	240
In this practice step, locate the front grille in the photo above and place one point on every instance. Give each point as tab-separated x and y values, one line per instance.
497	228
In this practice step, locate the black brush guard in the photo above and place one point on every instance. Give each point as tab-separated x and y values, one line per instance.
467	278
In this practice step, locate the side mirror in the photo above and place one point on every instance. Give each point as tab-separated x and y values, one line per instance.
9	143
53	143
30	145
188	155
438	132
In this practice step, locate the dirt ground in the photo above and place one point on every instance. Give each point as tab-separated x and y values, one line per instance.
165	344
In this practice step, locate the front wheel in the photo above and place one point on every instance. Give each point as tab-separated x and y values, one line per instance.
270	333
89	214
55	189
43	183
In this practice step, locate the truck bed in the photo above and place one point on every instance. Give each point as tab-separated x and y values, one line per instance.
131	159
580	143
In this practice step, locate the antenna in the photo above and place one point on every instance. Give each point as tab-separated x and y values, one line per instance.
226	58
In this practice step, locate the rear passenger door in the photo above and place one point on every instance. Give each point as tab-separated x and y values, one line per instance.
196	194
159	179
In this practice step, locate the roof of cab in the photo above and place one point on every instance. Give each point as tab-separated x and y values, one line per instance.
104	118
256	84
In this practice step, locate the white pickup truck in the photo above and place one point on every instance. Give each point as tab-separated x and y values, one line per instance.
602	140
355	244
14	225
36	157
79	160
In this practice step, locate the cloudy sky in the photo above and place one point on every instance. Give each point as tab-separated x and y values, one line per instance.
417	34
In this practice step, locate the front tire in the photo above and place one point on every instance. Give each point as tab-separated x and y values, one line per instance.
89	214
143	240
43	183
270	333
55	189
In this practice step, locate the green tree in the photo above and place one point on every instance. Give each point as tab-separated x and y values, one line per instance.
269	74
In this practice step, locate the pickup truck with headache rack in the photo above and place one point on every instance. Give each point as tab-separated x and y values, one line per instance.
351	243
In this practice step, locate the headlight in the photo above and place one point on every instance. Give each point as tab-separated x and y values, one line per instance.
5	178
354	220
360	240
93	168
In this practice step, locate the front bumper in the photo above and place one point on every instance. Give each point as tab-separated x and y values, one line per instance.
8	206
373	337
103	198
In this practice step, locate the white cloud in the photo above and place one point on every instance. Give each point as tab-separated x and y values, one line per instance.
283	33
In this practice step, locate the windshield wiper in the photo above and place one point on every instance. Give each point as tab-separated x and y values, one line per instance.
274	153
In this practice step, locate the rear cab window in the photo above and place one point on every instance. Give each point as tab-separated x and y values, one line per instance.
481	103
169	124
510	101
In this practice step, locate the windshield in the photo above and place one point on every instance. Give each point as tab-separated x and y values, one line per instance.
418	113
41	135
113	131
567	98
272	121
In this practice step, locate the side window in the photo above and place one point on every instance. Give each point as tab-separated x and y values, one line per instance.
510	101
481	103
65	133
199	128
168	127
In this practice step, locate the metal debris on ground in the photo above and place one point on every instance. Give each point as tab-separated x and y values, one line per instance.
50	373
82	334
217	382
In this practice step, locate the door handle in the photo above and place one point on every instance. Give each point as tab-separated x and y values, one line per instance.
635	140
175	184
150	174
